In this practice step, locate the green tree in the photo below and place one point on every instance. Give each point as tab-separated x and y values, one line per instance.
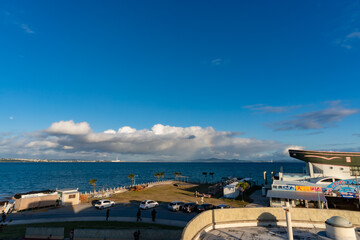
212	177
157	175
243	187
177	175
205	175
132	176
93	182
162	175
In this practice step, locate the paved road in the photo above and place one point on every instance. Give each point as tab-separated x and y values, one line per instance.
81	211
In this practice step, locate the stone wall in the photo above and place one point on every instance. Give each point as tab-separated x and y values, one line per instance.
237	217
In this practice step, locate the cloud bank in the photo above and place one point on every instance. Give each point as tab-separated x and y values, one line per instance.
67	139
316	119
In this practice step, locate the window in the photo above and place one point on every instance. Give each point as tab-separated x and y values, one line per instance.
327	180
331	167
276	200
341	168
355	171
72	196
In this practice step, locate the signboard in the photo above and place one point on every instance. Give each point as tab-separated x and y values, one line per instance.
308	189
289	187
285	187
343	188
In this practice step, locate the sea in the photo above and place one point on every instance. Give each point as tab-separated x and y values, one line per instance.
21	177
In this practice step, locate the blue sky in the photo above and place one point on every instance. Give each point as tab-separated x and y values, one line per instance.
263	75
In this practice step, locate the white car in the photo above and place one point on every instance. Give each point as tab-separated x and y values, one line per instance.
101	204
148	204
175	206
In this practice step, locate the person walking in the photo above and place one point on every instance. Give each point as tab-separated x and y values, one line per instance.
137	235
3	216
138	215
107	214
153	215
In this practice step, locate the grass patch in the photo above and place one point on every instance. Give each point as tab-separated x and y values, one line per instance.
18	231
169	193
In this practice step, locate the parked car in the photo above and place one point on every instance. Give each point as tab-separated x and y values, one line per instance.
101	204
175	206
190	207
148	204
205	206
221	206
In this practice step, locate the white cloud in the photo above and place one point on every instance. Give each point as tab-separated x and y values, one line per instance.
270	109
11	118
67	139
350	40
41	144
26	28
286	150
126	129
354	35
69	127
68	147
216	61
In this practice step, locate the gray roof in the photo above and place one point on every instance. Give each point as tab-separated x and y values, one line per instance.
311	196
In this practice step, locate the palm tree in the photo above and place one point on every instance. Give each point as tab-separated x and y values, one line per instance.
93	182
212	176
157	175
162	174
205	174
243	186
132	176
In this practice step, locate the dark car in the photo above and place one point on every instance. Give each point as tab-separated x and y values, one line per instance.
205	206
190	207
223	206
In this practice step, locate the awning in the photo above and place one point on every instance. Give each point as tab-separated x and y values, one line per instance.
310	196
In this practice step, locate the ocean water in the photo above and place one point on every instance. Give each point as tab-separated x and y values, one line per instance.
25	176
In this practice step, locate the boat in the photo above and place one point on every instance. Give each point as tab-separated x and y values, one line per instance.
327	163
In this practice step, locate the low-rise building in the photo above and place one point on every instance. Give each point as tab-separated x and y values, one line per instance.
297	193
68	196
231	191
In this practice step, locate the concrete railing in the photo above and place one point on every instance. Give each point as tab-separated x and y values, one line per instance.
109	191
244	217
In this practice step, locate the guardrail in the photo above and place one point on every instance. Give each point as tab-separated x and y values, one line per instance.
244	217
109	191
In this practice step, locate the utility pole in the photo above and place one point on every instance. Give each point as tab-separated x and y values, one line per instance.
287	209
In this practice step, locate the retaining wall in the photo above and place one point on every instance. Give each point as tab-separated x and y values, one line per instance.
241	217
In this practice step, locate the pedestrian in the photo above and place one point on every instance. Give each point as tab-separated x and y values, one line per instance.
138	215
72	234
3	216
137	235
107	214
153	215
202	200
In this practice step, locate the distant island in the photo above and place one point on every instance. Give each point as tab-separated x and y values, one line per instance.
208	160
